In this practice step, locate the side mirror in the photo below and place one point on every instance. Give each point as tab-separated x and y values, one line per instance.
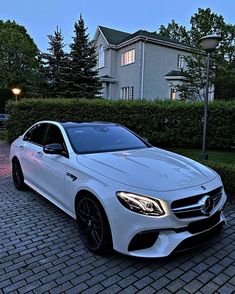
55	148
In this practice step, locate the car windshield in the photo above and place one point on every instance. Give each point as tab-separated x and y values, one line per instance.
103	138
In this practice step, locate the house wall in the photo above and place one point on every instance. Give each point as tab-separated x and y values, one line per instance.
129	75
159	60
109	69
107	65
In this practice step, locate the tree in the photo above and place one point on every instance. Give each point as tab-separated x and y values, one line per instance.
53	64
79	74
205	22
175	32
18	57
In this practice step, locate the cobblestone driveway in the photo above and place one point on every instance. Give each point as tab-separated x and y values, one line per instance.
41	252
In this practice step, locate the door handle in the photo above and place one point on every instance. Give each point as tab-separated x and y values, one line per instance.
21	147
39	154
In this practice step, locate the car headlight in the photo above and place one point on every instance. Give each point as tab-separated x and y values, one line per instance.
140	204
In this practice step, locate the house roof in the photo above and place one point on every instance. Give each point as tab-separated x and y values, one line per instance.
115	37
175	73
112	36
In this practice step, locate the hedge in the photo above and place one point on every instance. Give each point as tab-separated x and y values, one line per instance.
227	173
176	124
171	124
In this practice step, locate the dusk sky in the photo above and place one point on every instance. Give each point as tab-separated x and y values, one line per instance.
41	17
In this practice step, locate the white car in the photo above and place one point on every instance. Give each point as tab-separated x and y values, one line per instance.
125	194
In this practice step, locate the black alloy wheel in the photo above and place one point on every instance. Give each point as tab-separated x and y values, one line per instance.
17	175
93	225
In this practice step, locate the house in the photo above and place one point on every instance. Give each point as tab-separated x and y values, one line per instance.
141	65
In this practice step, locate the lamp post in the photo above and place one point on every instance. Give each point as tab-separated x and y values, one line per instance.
209	43
16	91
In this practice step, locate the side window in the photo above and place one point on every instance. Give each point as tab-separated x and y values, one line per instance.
36	134
54	135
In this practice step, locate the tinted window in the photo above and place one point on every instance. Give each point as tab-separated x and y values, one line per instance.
102	138
53	135
36	134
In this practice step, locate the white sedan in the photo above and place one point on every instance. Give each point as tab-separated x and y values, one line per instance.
125	194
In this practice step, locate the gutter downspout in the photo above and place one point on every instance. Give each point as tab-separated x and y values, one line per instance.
142	70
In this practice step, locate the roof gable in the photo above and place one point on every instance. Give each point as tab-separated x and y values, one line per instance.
119	38
113	37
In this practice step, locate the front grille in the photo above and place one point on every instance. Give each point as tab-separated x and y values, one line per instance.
191	206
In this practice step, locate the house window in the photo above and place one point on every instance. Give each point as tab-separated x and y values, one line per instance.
172	94
128	57
101	56
127	93
180	61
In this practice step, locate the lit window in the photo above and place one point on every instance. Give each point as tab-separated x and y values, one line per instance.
127	93
101	56
180	61
173	94
128	57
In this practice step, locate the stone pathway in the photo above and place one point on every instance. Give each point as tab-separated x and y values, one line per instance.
41	252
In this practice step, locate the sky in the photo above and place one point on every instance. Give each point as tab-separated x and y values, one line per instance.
41	17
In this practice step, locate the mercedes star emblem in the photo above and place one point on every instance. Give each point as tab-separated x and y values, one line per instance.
207	204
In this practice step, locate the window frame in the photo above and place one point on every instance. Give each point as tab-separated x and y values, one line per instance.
35	126
101	56
130	58
65	152
180	61
127	93
173	94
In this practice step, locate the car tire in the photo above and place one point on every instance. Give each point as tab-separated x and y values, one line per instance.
93	225
17	175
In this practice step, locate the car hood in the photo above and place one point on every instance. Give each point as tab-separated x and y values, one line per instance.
148	168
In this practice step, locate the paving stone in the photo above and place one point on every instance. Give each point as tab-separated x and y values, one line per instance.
209	288
175	285
160	283
127	281
193	286
140	284
189	276
41	252
227	289
112	289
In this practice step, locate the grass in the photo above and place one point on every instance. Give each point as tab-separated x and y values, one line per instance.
225	157
3	134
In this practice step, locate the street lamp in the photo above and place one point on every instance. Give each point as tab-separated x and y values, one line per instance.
209	43
16	91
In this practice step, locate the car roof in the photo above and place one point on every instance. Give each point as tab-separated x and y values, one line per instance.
70	124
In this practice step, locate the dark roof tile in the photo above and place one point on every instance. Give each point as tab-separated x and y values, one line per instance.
116	37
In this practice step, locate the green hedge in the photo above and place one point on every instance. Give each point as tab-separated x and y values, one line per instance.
227	173
176	124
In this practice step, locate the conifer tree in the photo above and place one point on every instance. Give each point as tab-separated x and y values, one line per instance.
79	75
54	62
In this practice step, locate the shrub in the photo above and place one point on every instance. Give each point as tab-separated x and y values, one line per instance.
176	124
171	124
227	173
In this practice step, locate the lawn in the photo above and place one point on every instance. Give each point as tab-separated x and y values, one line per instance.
3	134
226	157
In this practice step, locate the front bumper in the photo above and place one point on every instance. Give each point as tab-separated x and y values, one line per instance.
169	241
170	232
